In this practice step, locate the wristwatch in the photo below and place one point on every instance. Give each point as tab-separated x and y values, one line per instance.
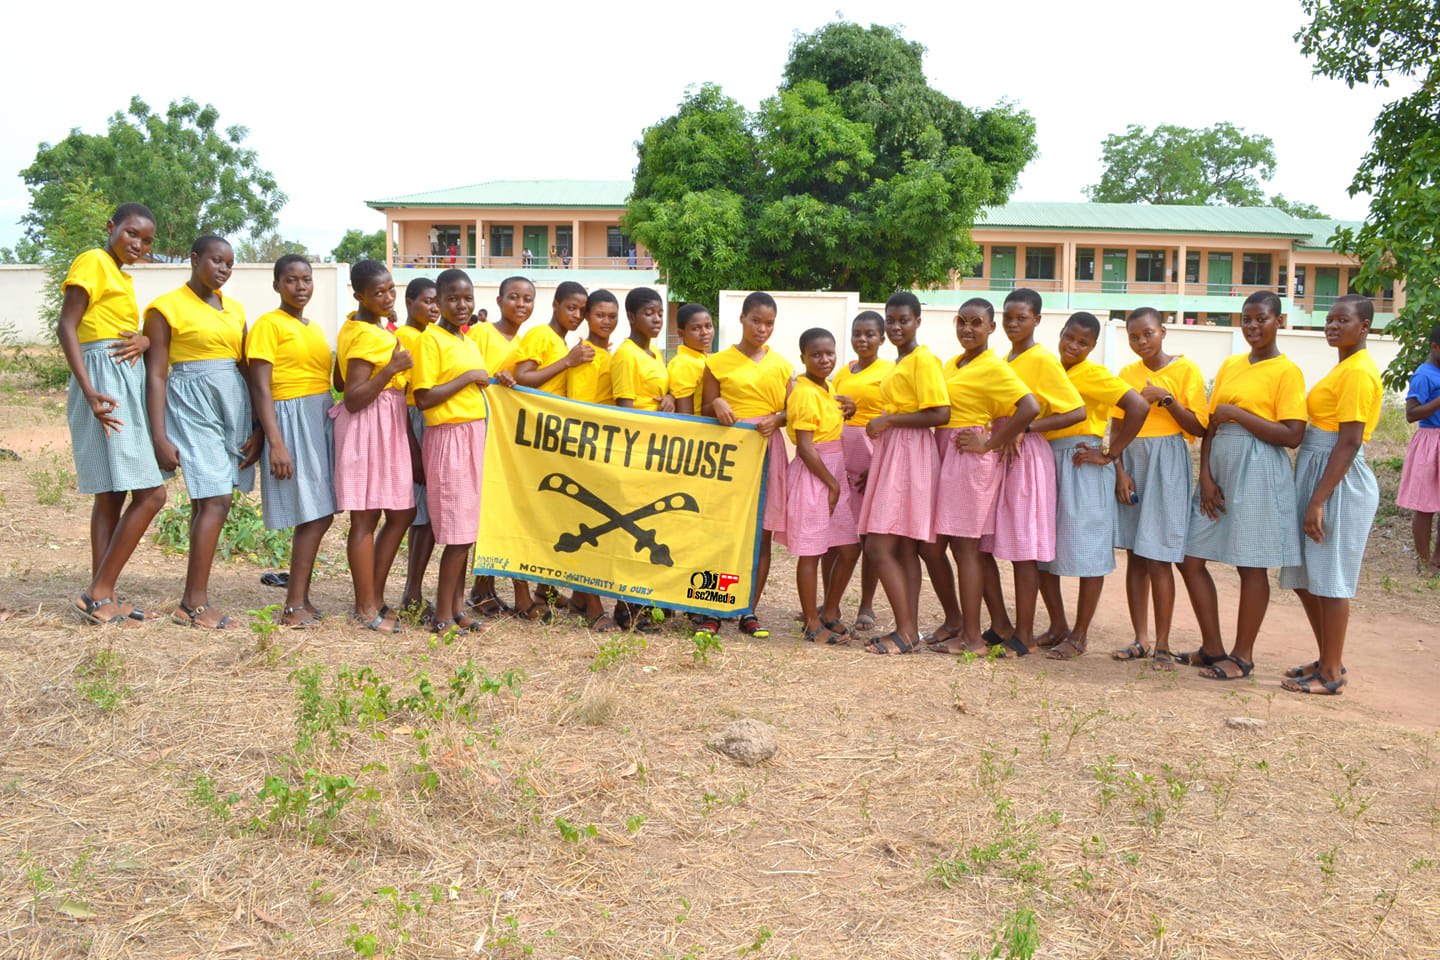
1166	400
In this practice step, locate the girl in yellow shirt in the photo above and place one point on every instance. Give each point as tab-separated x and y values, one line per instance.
199	404
422	308
898	512
590	382
749	382
290	373
1153	481
99	332
1242	512
820	524
686	370
449	377
858	383
1336	494
542	360
374	470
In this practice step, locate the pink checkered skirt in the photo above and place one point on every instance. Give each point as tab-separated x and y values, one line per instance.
372	455
1420	476
858	452
968	489
1025	510
454	457
776	468
900	491
813	528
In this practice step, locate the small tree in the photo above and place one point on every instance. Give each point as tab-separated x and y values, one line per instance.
1219	165
1368	43
78	225
267	248
357	245
1305	211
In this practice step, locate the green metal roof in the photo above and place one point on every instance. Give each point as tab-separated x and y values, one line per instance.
1146	218
1322	232
518	193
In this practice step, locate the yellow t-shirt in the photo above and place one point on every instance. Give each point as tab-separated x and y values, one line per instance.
440	357
497	352
1100	390
409	338
753	389
863	388
112	308
916	382
1350	393
1273	389
590	382
981	390
298	351
687	374
544	346
358	340
637	375
1182	378
197	330
813	407
1045	376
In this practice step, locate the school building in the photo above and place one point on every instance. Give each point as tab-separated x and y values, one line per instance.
1195	264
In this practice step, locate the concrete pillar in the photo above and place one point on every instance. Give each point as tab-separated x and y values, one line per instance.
480	241
389	243
1067	270
575	242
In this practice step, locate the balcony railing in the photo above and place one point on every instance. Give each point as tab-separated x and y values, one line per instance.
521	262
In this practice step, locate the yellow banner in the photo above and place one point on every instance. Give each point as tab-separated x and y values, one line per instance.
657	508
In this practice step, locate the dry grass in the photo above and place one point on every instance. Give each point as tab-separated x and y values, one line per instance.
917	805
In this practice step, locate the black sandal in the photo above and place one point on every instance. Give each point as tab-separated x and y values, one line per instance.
841	633
310	619
865	621
488	605
86	608
1199	658
895	647
1216	673
1016	646
599	626
1135	651
193	618
377	624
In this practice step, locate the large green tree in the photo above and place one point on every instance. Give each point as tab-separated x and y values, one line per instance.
1216	165
1374	42
855	175
197	177
358	245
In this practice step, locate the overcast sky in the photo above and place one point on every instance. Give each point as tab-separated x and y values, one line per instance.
351	105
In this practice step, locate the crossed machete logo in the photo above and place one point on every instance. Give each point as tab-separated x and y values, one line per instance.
570	542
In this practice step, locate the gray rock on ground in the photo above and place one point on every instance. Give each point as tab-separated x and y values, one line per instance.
746	741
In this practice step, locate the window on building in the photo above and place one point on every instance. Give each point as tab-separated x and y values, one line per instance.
1284	276
1192	266
1149	266
564	241
1219	319
1085	263
616	243
502	242
1299	281
1255	269
1118	315
1039	263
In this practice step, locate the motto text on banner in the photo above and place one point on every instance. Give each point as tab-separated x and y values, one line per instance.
660	509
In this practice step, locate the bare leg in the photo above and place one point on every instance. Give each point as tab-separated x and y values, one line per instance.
942	580
886	551
1059	627
448	602
994	595
1206	604
1420	530
422	545
966	551
124	537
1027	589
360	552
105	514
806	570
305	546
1137	597
207	519
1329	619
869	579
841	569
762	569
1162	592
1078	638
387	544
1254	602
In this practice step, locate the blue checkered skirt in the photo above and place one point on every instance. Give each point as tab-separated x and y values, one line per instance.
422	508
207	417
1258	526
1084	513
1332	568
124	460
309	493
1155	528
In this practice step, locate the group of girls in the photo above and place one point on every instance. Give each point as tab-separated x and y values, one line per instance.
905	463
1018	468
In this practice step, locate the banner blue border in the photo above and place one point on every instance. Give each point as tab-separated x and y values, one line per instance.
480	571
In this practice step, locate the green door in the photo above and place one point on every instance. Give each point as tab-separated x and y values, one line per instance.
537	241
1327	288
1114	271
1221	274
1002	268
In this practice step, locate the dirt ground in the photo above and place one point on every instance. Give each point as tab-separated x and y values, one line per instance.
171	793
